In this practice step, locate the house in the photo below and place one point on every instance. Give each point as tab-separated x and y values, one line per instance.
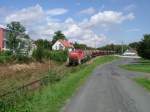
130	52
3	38
26	45
63	45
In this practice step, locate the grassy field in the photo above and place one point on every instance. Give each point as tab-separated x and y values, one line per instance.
141	66
51	98
16	75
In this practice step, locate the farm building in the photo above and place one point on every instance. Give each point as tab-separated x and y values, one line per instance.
63	45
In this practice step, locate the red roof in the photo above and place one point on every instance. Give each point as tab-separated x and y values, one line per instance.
66	43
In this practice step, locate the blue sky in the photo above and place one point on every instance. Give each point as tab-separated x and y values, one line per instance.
93	22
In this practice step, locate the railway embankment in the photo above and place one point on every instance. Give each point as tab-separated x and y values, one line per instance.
54	89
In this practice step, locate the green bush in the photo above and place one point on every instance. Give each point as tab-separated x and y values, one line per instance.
5	57
41	53
47	54
38	54
6	53
22	58
60	56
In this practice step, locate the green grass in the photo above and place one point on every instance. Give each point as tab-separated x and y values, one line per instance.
141	66
145	82
52	98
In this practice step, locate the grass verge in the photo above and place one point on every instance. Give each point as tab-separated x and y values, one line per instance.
141	66
51	98
145	82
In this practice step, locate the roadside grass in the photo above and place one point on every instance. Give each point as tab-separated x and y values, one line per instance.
145	82
52	97
141	66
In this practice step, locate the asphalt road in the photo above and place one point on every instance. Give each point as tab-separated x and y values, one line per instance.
110	89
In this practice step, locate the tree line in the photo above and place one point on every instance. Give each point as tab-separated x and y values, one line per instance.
18	31
142	47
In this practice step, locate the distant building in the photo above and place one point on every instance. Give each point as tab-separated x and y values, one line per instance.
63	45
130	52
25	45
3	39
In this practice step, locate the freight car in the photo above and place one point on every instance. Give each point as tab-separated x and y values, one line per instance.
78	56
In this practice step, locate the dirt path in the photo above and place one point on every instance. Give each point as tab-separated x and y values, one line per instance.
110	89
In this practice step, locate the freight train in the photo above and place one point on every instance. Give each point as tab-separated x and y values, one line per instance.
78	56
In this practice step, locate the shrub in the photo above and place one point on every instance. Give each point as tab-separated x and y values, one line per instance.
60	56
41	53
22	58
5	56
6	53
38	54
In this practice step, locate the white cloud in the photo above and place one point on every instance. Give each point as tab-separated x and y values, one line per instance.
57	11
27	15
108	17
41	23
34	14
79	34
88	11
87	36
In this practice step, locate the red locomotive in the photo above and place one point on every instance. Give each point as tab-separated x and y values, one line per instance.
78	56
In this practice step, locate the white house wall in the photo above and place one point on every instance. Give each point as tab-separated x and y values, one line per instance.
56	46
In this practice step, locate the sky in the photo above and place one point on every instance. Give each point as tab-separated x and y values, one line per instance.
92	22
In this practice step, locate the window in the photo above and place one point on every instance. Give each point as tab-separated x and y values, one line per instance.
60	47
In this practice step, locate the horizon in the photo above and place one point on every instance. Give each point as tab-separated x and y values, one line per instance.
92	22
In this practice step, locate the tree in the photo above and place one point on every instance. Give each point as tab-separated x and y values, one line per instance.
15	29
144	47
58	35
113	47
38	54
45	44
79	46
134	45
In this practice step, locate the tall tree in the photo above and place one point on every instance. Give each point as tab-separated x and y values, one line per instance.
43	44
58	35
15	29
134	45
144	47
